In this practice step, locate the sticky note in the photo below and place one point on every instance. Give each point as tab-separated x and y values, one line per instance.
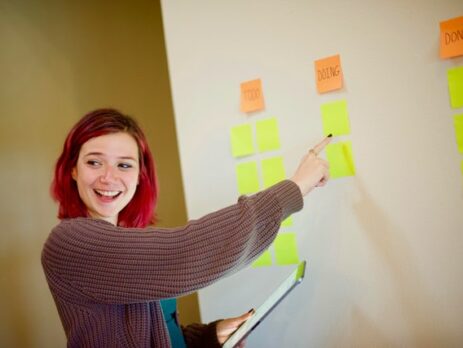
287	222
339	156
458	123
267	135
252	97
286	249
328	74
241	140
273	171
335	118
451	38
247	178
455	80
265	259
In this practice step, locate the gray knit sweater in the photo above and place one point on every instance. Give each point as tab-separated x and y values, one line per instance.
107	281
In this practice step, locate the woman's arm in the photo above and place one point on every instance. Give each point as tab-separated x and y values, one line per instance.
111	264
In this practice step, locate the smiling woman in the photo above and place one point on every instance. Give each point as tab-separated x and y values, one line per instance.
111	273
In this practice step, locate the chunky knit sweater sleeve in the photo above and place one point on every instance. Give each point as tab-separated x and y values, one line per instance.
201	335
116	265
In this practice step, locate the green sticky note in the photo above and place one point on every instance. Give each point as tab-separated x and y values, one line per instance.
267	135
458	123
335	118
264	260
241	140
273	171
247	178
286	249
287	222
341	161
455	80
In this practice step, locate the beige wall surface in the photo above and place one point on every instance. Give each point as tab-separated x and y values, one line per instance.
384	247
59	60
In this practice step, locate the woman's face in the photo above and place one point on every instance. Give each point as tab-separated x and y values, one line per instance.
107	174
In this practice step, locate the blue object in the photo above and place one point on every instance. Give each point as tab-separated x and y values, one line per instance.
169	309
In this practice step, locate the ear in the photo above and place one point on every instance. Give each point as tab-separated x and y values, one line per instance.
74	173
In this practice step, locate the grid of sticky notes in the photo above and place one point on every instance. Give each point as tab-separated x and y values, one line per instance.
255	146
335	121
250	139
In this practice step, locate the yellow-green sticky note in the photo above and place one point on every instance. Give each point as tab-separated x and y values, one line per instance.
455	80
286	249
341	161
241	140
264	260
247	177
335	118
273	171
458	123
267	135
287	222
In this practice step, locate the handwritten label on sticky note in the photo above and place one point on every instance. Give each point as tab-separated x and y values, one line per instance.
451	38
265	259
241	140
267	135
273	171
247	178
252	96
455	81
335	118
341	161
286	249
458	123
328	74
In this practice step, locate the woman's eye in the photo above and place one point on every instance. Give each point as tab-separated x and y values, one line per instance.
93	163
125	165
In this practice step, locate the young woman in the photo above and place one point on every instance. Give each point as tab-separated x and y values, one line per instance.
108	268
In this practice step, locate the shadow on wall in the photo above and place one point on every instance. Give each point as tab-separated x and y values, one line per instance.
394	251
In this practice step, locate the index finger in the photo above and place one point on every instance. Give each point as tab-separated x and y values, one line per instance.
321	145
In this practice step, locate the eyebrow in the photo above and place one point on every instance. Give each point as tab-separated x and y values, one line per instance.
101	154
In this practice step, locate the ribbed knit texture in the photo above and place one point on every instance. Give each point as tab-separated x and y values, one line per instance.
200	335
107	280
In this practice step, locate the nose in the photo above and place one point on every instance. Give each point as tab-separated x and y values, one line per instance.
108	175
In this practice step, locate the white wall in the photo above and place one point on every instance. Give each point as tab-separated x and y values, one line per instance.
383	247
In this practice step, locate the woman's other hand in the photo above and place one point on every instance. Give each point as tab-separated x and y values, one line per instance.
226	327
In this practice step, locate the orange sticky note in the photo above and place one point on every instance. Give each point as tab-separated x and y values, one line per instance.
451	38
328	74
252	97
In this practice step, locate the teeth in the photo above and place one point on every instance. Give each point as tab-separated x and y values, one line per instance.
108	193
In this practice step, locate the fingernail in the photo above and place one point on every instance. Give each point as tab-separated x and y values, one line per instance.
251	310
330	135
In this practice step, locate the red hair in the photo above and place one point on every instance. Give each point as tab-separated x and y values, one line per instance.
139	212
